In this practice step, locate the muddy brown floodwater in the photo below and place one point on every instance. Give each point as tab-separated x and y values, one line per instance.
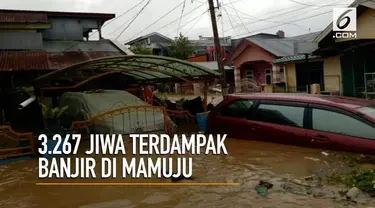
248	162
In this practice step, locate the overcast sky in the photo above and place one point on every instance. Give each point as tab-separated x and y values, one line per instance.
239	17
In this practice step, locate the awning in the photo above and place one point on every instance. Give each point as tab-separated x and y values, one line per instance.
142	68
295	58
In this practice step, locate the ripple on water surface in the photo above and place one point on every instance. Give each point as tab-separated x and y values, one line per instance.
247	163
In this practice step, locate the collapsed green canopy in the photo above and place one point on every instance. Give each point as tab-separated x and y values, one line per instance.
143	68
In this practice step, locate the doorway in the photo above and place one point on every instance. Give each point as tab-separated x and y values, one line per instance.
308	74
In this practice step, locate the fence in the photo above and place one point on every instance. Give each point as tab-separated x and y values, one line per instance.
127	120
14	144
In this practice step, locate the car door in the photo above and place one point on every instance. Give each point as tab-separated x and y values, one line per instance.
280	122
337	129
231	119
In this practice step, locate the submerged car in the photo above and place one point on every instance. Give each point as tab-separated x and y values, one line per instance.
317	121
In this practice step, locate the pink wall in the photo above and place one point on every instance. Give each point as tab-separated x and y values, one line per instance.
211	49
261	60
253	53
259	72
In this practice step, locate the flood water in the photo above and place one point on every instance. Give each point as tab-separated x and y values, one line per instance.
247	163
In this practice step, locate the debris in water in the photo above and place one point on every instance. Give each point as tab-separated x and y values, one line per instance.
353	193
298	182
343	192
262	188
309	178
312	158
325	153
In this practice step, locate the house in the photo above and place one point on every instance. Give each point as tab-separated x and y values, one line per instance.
253	59
344	66
33	43
155	41
206	45
197	88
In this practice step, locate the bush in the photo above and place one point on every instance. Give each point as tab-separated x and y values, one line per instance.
362	179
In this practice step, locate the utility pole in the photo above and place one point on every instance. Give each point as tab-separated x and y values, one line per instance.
218	47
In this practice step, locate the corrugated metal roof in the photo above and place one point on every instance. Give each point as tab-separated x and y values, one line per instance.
305	37
147	36
282	47
40	60
294	58
277	47
212	65
65	59
23	60
22	17
143	68
103	16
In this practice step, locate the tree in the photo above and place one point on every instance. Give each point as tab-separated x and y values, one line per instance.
180	48
141	50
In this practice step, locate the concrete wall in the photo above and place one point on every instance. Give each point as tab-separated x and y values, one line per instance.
68	28
332	74
58	46
290	72
21	41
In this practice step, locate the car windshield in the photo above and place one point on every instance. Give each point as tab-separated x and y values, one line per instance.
369	111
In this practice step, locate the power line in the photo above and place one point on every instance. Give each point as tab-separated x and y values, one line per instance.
182	12
239	17
173	20
194	24
122	25
127	11
311	5
196	17
288	12
256	19
273	11
74	45
230	21
152	24
148	2
286	23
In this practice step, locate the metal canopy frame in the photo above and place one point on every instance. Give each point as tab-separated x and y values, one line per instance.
142	68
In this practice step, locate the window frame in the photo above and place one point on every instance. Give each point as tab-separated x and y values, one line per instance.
248	114
283	103
339	111
270	73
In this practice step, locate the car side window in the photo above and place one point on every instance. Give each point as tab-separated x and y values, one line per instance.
333	122
280	114
237	109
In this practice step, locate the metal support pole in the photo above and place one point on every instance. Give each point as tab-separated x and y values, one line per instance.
205	96
217	47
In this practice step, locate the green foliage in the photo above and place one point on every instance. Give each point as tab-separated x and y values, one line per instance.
52	113
181	48
362	179
141	50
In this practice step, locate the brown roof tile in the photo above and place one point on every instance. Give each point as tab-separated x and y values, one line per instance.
40	60
23	60
22	17
102	16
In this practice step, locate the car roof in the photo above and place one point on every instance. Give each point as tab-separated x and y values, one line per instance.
308	98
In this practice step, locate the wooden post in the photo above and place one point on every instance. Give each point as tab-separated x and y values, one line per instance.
218	47
33	146
205	96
